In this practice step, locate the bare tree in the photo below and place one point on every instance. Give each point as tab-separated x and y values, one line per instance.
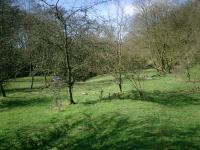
71	23
158	34
115	33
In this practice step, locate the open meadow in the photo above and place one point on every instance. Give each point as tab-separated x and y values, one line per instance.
167	118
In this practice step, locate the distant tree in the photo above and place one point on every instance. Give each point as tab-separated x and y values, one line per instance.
10	48
165	30
120	31
187	18
113	39
39	50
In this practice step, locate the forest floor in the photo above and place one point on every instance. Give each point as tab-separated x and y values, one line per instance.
167	118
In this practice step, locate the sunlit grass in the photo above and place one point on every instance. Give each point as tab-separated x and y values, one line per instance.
168	117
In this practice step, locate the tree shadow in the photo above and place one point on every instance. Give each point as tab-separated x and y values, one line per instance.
173	98
169	98
116	132
12	102
108	131
176	99
25	89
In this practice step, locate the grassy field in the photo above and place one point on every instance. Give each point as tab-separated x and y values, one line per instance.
168	117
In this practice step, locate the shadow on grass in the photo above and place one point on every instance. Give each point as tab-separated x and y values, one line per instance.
109	131
164	98
19	101
117	132
26	89
167	98
12	102
173	98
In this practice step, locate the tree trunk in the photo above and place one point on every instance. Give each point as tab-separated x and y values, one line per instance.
69	69
45	79
71	95
120	83
32	80
162	65
15	76
163	62
188	74
70	84
2	90
169	69
69	80
31	74
141	93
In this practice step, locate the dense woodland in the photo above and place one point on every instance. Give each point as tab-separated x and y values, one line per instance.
43	39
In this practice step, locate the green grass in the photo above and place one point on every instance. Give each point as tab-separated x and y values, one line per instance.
168	117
